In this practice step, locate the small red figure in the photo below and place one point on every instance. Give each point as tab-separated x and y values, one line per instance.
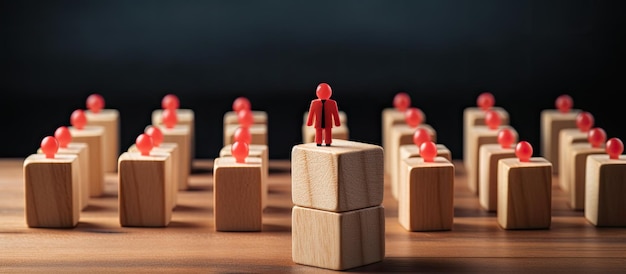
428	151
245	117
95	103
242	134
156	134
413	116
401	101
596	137
492	119
485	100
505	138
144	144
170	101
564	103
584	121
63	135
523	151
49	146
420	136
324	110
78	119
240	151
169	117
614	147
241	103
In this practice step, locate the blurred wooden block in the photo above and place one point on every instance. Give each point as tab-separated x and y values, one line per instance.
338	241
177	174
402	134
568	137
489	155
185	117
258	132
259	151
81	150
552	122
392	117
578	171
524	193
144	189
258	117
179	135
110	120
605	190
477	137
345	176
425	201
93	137
475	116
411	151
237	194
52	191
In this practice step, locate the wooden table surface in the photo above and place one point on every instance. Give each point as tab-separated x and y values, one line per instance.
190	244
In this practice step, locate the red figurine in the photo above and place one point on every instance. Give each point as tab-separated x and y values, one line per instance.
325	111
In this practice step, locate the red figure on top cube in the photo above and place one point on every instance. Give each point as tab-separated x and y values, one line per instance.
324	111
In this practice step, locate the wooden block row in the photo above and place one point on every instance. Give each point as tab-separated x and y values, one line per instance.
185	117
475	116
258	132
258	117
552	122
109	119
390	118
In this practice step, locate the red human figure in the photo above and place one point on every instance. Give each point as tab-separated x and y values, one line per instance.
324	111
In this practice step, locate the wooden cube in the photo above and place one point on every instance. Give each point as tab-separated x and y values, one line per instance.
177	174
605	189
392	117
110	120
81	150
237	194
552	122
489	155
258	132
578	171
411	151
345	176
568	137
259	151
477	137
425	201
180	135
524	193
145	198
258	117
475	116
52	191
93	136
340	132
338	241
185	117
402	134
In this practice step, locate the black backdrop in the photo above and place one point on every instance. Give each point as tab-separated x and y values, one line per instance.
443	53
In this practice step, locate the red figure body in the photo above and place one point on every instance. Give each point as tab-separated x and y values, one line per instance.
324	111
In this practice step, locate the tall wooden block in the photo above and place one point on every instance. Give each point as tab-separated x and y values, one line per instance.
605	189
177	174
475	116
144	189
258	132
93	137
477	137
524	193
411	151
110	120
552	122
568	137
489	155
259	151
179	135
258	117
338	241
237	194
185	117
402	134
392	117
345	176
578	172
52	191
425	201
81	150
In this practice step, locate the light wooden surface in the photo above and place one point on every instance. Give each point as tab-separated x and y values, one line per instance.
258	132
552	121
479	136
475	116
605	191
176	172
567	137
402	134
489	155
578	172
189	244
180	135
93	137
81	150
389	118
185	117
260	151
110	120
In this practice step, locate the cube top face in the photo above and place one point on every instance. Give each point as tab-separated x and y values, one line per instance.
179	129
345	176
232	162
496	149
410	151
253	152
88	130
76	146
478	115
160	150
582	148
258	117
404	129
572	134
103	115
41	159
395	116
184	115
532	162
154	156
437	162
604	159
481	131
556	115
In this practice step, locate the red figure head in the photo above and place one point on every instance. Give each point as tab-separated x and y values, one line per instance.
78	119
239	150
420	136
413	117
401	101
564	103
523	151
170	101
428	151
49	146
614	147
242	134
323	91
245	117
492	119
144	144
156	134
485	100
63	135
596	137
241	103
95	103
584	121
506	138
170	117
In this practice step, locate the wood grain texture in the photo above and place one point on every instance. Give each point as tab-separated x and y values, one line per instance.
426	198
260	151
552	121
524	193
411	151
93	137
81	150
110	120
479	136
176	172
605	189
567	137
258	117
402	134
577	163
389	118
258	132
338	241
180	135
237	194
145	198
345	176
489	155
475	116
185	117
52	191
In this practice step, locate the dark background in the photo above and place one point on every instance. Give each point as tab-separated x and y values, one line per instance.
443	53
